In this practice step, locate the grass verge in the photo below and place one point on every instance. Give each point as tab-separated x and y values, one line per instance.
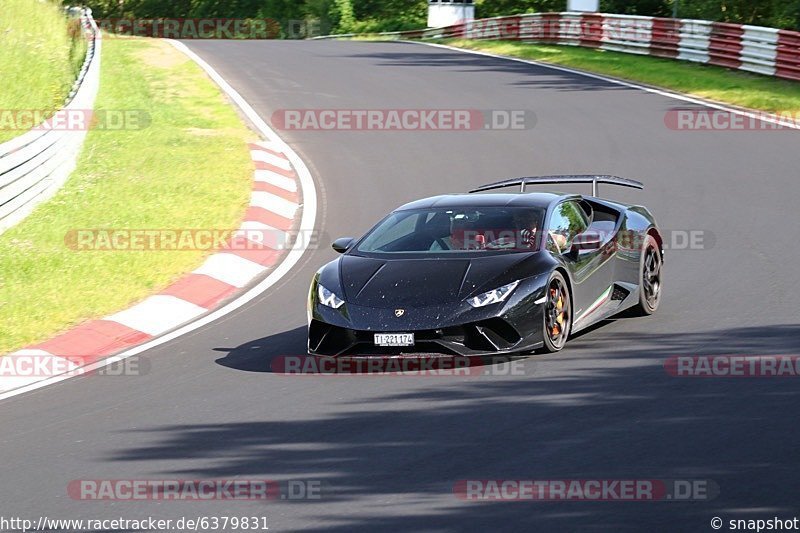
190	168
734	87
41	52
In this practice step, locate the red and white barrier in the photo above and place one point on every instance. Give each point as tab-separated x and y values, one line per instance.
787	61
760	45
757	49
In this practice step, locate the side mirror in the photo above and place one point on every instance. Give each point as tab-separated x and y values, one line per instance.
587	241
343	244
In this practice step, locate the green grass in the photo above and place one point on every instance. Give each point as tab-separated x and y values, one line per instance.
739	88
41	52
190	168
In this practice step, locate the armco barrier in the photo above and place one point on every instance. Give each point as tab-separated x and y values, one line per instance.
753	48
34	165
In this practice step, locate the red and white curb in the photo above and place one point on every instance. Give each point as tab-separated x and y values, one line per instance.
275	204
283	202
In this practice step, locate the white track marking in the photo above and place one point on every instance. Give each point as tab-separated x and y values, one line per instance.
276	204
268	145
157	314
264	234
271	159
231	269
273	178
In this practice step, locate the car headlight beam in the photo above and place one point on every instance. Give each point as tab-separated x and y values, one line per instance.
328	299
494	296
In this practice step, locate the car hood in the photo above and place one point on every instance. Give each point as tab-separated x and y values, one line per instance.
390	283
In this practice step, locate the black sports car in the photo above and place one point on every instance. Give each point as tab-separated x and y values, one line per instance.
487	273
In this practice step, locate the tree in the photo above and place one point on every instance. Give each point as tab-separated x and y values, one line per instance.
382	15
497	8
342	13
650	8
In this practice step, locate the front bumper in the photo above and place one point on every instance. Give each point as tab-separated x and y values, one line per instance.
509	327
493	336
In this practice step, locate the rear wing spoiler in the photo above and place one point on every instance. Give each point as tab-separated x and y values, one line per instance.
583	178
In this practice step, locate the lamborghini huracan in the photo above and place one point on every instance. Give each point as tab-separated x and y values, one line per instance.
487	273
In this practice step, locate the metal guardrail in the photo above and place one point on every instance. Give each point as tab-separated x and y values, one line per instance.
767	51
36	164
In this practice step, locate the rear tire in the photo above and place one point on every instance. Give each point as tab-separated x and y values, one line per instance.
650	270
557	314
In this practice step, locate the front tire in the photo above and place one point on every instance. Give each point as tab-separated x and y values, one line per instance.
557	319
650	268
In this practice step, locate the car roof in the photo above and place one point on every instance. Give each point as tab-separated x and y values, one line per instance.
461	201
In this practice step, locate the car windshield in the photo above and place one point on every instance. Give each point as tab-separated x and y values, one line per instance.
444	231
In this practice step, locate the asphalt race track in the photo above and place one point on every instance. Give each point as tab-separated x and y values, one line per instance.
391	448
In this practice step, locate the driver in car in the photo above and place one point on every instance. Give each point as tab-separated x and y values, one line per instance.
521	236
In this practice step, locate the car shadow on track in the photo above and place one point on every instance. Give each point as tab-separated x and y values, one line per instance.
392	453
258	355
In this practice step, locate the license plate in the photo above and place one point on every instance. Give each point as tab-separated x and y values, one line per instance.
394	339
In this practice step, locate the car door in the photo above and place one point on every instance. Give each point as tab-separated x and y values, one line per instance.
589	267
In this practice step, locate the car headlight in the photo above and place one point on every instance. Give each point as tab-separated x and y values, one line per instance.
327	298
493	296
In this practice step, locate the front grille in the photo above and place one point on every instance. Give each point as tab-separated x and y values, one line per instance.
490	335
368	348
